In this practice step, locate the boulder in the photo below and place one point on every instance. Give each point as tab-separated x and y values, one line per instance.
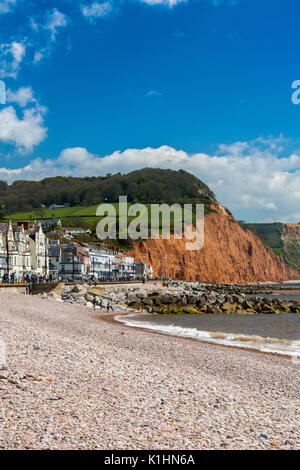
215	310
89	297
203	308
141	294
182	302
147	301
130	299
229	308
165	299
190	310
154	293
136	305
192	299
77	289
96	291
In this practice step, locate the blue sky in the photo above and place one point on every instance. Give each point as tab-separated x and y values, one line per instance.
107	86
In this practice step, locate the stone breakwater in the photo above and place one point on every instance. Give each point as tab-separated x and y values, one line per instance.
180	298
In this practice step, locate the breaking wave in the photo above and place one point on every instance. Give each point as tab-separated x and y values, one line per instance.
261	343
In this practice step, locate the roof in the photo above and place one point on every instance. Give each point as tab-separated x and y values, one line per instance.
54	250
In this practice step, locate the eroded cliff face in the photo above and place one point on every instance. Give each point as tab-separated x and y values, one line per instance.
230	254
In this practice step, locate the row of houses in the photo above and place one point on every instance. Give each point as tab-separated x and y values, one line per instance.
26	250
82	260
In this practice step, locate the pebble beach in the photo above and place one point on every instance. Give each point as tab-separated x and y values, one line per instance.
76	379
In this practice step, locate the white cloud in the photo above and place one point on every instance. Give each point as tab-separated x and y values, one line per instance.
154	93
26	132
6	6
54	21
44	29
77	156
169	3
96	10
23	96
44	32
11	57
39	55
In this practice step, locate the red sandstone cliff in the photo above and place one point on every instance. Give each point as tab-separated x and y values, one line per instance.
230	254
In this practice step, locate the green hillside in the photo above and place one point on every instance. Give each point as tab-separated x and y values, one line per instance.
146	186
271	234
284	239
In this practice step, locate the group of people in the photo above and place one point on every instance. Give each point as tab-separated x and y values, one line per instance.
108	306
6	278
33	278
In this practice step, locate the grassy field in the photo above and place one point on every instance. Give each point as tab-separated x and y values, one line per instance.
81	211
85	213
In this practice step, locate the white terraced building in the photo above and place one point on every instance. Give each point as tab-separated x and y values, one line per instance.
23	252
106	263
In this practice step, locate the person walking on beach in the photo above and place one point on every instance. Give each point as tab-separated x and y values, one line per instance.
109	306
94	302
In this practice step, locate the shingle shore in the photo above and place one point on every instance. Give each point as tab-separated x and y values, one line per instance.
76	382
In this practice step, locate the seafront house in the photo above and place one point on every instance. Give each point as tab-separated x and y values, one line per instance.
54	260
108	263
125	267
15	256
71	264
23	251
102	263
38	245
143	271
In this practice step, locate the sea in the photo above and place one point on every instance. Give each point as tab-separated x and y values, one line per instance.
268	333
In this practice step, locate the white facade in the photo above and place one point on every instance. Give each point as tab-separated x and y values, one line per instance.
38	244
101	264
15	256
20	254
105	264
